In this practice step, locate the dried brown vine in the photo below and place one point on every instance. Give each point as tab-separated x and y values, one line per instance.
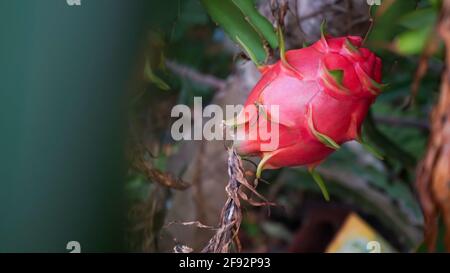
433	173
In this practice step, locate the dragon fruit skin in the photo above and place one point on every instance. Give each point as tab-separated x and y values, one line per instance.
323	92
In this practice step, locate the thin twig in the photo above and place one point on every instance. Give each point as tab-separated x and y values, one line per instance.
324	9
403	122
140	163
187	72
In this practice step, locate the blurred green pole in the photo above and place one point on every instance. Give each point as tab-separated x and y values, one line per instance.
64	71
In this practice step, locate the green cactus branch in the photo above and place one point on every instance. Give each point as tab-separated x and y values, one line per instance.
244	25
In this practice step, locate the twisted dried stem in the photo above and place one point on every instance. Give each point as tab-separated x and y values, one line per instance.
433	173
231	215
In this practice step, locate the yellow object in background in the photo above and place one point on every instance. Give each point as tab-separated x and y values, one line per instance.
357	236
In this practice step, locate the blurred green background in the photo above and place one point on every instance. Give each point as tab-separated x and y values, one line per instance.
64	73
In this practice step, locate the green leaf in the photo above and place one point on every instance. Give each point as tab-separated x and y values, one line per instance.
377	154
386	26
244	25
388	147
436	4
153	78
412	42
419	18
190	13
259	22
319	180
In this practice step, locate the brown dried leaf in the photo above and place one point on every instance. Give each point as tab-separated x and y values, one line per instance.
155	175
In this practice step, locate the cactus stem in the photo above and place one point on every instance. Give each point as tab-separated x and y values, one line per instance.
249	52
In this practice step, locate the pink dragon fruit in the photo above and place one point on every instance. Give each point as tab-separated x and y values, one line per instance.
323	93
